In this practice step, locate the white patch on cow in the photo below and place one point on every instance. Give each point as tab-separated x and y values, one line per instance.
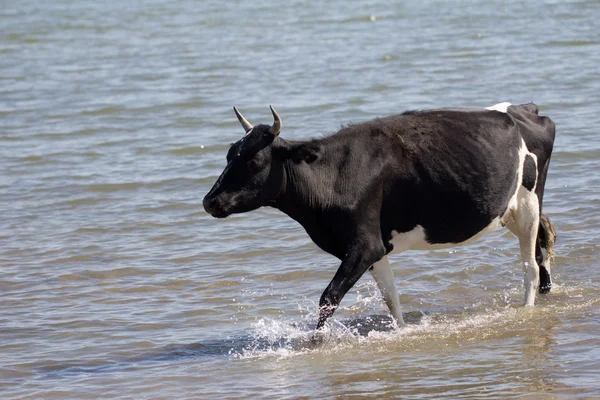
513	203
416	239
536	167
547	264
502	107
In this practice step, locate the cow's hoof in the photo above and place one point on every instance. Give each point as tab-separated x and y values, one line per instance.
318	338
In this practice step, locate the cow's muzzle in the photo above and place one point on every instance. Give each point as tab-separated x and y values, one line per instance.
213	207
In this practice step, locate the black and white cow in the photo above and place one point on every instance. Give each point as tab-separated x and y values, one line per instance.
418	180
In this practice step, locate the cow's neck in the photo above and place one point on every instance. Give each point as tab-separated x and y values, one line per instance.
314	184
308	196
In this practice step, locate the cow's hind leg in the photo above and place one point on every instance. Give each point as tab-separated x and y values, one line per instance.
524	224
544	252
384	276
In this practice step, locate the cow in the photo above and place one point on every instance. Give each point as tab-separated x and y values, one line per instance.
417	180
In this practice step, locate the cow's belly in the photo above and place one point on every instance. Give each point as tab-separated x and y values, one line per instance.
416	239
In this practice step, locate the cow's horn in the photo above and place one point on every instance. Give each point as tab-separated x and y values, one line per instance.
277	124
245	124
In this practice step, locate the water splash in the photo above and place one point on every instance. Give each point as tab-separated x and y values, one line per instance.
282	339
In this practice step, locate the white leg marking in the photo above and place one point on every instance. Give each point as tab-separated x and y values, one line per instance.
524	224
502	107
384	276
547	263
547	260
522	219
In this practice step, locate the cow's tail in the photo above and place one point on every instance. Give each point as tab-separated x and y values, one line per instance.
547	236
546	240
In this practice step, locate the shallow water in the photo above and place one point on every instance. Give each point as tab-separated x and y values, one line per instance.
115	120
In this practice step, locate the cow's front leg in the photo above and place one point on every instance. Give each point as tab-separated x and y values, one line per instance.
357	261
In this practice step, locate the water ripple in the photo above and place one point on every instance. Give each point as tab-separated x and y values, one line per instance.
116	121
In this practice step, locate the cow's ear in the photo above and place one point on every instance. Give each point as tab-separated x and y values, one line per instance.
307	152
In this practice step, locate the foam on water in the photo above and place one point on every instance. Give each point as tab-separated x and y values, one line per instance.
280	338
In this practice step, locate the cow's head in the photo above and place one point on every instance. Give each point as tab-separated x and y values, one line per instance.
253	175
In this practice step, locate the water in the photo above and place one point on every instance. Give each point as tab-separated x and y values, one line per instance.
115	121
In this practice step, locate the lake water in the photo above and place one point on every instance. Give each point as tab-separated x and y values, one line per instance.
114	123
